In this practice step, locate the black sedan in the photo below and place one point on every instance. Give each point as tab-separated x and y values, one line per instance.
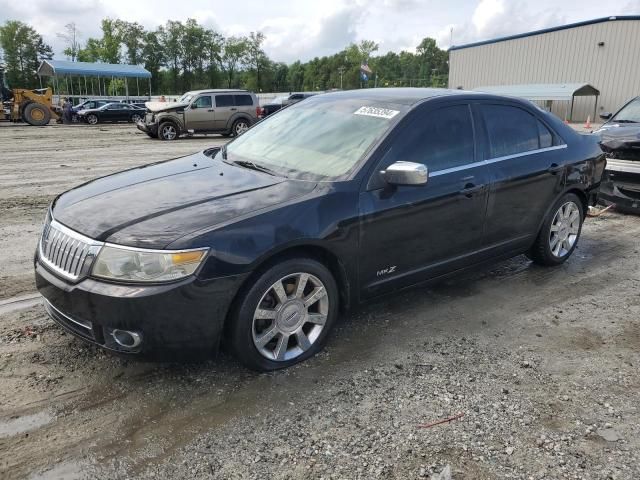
112	112
343	197
620	139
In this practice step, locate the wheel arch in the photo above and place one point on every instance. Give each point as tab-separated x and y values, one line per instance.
316	252
239	116
579	192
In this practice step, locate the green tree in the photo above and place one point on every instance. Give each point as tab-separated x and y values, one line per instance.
71	36
153	57
234	51
132	35
171	39
255	58
23	49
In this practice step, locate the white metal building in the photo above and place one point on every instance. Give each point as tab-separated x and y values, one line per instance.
604	53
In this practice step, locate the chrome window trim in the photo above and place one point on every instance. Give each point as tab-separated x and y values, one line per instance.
495	160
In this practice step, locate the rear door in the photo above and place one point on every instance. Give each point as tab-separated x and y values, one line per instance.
200	116
225	107
244	104
412	233
525	158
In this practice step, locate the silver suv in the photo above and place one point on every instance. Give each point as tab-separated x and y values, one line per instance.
229	112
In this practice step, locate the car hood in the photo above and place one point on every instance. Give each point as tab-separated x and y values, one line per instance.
163	106
621	140
154	205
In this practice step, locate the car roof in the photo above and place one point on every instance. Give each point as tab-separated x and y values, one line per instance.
405	95
218	90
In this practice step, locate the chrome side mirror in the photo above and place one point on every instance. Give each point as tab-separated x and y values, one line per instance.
406	173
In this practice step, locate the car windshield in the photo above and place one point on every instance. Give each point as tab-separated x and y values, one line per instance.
320	139
186	98
629	114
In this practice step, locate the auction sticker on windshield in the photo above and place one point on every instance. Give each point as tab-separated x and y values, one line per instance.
376	112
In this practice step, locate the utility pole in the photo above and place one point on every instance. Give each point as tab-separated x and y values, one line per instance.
341	71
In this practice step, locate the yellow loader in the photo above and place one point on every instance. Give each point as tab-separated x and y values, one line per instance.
34	107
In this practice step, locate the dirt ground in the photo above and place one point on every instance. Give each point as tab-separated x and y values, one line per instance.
541	363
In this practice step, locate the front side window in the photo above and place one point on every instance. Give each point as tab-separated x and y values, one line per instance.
323	138
224	100
630	113
203	102
511	130
439	139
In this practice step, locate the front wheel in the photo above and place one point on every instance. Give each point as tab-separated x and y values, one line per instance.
135	118
285	316
168	131
560	232
92	119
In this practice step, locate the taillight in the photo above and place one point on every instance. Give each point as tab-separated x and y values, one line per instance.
259	112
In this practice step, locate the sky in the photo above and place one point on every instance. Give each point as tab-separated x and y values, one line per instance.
303	29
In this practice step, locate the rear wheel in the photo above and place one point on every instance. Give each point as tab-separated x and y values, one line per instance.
168	131
285	316
135	118
92	119
239	127
560	232
36	114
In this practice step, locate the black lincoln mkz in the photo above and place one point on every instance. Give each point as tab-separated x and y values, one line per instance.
320	207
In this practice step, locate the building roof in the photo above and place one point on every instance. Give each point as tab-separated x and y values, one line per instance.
547	30
52	68
542	91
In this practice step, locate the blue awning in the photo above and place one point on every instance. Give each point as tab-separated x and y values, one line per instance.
52	68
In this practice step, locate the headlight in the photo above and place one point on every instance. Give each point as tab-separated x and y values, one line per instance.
139	265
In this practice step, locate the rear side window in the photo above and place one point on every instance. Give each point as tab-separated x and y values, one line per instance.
546	137
224	100
511	130
439	139
243	100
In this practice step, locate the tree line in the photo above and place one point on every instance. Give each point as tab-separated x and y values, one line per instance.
185	56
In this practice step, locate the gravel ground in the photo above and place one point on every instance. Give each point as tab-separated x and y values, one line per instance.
540	363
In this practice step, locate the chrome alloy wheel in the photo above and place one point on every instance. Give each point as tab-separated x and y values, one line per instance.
168	132
290	317
241	127
92	119
564	229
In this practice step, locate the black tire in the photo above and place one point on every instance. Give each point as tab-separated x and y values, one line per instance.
168	131
36	114
541	251
92	119
136	117
240	126
241	326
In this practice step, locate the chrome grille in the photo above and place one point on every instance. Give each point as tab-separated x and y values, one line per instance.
66	252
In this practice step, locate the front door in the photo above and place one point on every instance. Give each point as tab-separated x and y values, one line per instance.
413	233
200	115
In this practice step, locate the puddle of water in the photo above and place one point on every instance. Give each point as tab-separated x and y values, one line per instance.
26	423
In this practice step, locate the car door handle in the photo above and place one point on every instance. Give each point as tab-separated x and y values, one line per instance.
555	168
210	110
233	109
469	189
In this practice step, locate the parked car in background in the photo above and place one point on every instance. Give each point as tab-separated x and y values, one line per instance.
331	202
620	139
91	104
111	112
229	112
298	97
273	106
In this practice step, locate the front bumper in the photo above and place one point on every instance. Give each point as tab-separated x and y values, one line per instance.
148	128
621	185
186	316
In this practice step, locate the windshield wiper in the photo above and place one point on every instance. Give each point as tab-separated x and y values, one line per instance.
254	166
